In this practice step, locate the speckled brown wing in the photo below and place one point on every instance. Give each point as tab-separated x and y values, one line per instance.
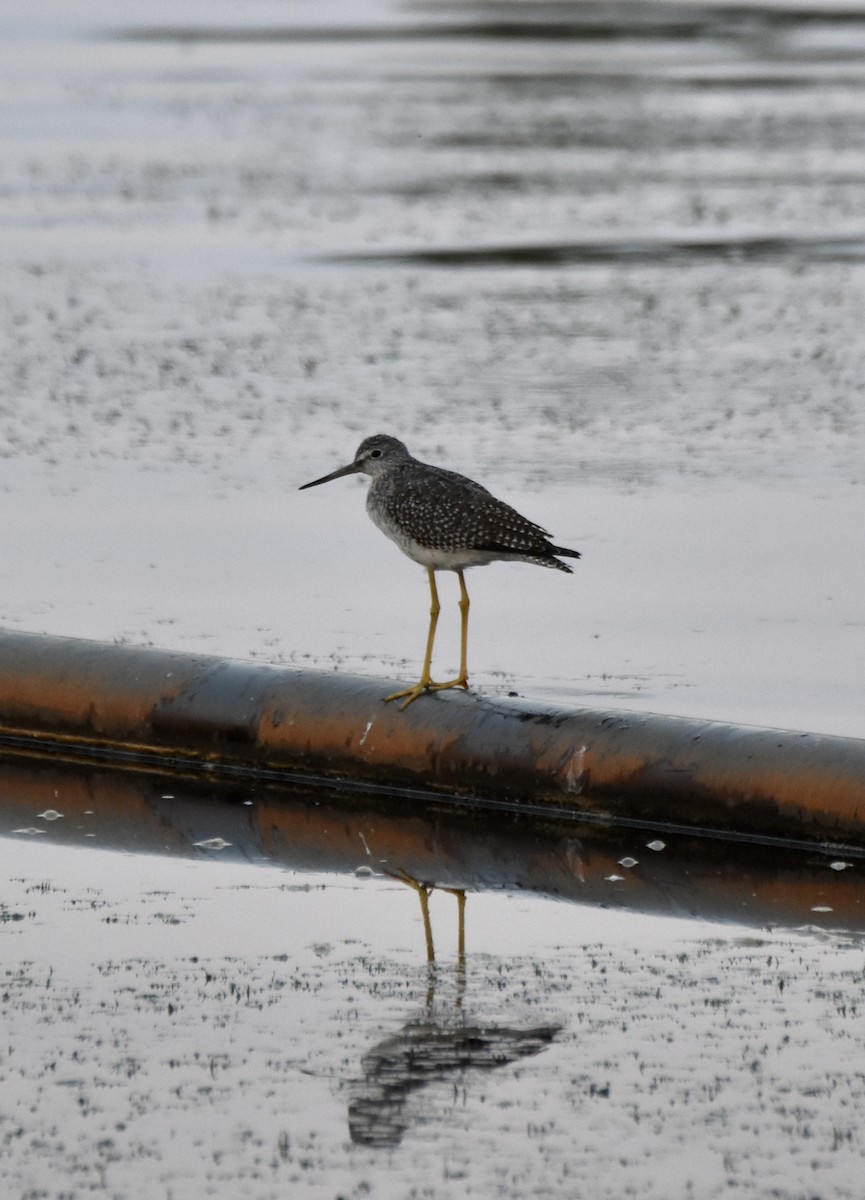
447	511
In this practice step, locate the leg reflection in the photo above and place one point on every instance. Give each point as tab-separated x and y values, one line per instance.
424	891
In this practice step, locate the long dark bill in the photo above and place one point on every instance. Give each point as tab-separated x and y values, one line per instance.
351	469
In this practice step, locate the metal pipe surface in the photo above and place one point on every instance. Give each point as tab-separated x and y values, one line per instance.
74	699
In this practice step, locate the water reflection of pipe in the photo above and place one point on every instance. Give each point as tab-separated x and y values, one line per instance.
61	697
460	848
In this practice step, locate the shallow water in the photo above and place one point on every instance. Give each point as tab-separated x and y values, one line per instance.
606	258
177	1020
207	1026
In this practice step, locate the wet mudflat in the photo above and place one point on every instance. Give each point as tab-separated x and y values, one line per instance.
137	1065
609	260
202	1027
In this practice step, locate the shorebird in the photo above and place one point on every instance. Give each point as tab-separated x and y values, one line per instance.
445	522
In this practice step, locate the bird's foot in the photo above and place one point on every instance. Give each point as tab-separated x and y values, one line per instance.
462	682
401	876
411	693
422	686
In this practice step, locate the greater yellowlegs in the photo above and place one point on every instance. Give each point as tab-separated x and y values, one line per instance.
445	522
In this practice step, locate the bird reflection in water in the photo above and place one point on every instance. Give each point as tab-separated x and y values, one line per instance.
443	1043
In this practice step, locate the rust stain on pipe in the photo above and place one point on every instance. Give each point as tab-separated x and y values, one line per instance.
74	697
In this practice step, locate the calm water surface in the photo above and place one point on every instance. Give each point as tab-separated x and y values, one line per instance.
611	252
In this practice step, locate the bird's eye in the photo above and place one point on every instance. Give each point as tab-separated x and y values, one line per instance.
375	453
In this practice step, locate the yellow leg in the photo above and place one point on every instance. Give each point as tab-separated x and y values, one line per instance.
461	921
462	680
425	681
423	892
464	637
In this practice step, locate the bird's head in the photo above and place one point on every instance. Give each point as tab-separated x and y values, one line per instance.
374	455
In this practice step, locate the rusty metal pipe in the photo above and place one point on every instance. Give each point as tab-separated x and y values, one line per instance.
74	699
